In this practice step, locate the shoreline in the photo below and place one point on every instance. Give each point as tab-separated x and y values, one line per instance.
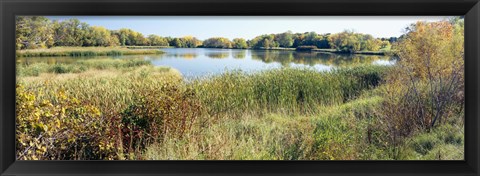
84	51
314	50
328	51
141	50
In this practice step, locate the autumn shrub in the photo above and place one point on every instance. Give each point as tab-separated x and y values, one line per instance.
64	129
426	87
168	112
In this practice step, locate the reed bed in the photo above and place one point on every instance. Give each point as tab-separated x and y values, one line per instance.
84	51
287	90
35	69
281	114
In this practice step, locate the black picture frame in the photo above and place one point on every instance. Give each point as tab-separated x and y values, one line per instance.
10	8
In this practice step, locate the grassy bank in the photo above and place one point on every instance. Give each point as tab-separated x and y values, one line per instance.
288	90
84	51
127	96
79	66
333	134
143	112
148	47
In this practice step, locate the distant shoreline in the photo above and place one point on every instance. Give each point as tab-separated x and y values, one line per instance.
139	50
329	51
84	51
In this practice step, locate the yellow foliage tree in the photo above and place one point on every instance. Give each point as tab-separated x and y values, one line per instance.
426	85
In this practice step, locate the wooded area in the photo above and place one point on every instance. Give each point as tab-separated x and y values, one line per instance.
40	32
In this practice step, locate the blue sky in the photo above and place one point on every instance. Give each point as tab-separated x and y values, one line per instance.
247	27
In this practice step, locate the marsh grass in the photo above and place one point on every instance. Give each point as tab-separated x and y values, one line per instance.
443	143
84	51
35	69
287	90
335	133
111	91
279	114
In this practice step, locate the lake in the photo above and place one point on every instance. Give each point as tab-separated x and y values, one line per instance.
203	61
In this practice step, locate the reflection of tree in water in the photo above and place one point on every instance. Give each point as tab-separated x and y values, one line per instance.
315	58
187	56
217	55
240	54
284	58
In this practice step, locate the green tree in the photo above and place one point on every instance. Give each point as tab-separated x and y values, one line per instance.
285	39
427	84
33	32
264	41
131	38
191	42
155	40
71	32
240	43
349	41
100	36
217	42
310	38
177	42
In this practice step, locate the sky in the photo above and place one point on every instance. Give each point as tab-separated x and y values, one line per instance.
248	27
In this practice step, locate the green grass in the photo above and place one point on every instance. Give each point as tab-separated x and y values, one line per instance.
443	143
84	51
286	90
112	90
333	134
279	114
78	66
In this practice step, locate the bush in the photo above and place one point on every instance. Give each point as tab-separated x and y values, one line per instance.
65	129
426	87
60	68
169	112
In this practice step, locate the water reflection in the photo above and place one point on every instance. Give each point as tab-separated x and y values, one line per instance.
199	61
187	56
285	58
239	54
217	55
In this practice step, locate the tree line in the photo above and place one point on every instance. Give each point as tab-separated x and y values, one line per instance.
40	32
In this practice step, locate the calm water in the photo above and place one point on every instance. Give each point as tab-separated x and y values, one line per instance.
200	61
